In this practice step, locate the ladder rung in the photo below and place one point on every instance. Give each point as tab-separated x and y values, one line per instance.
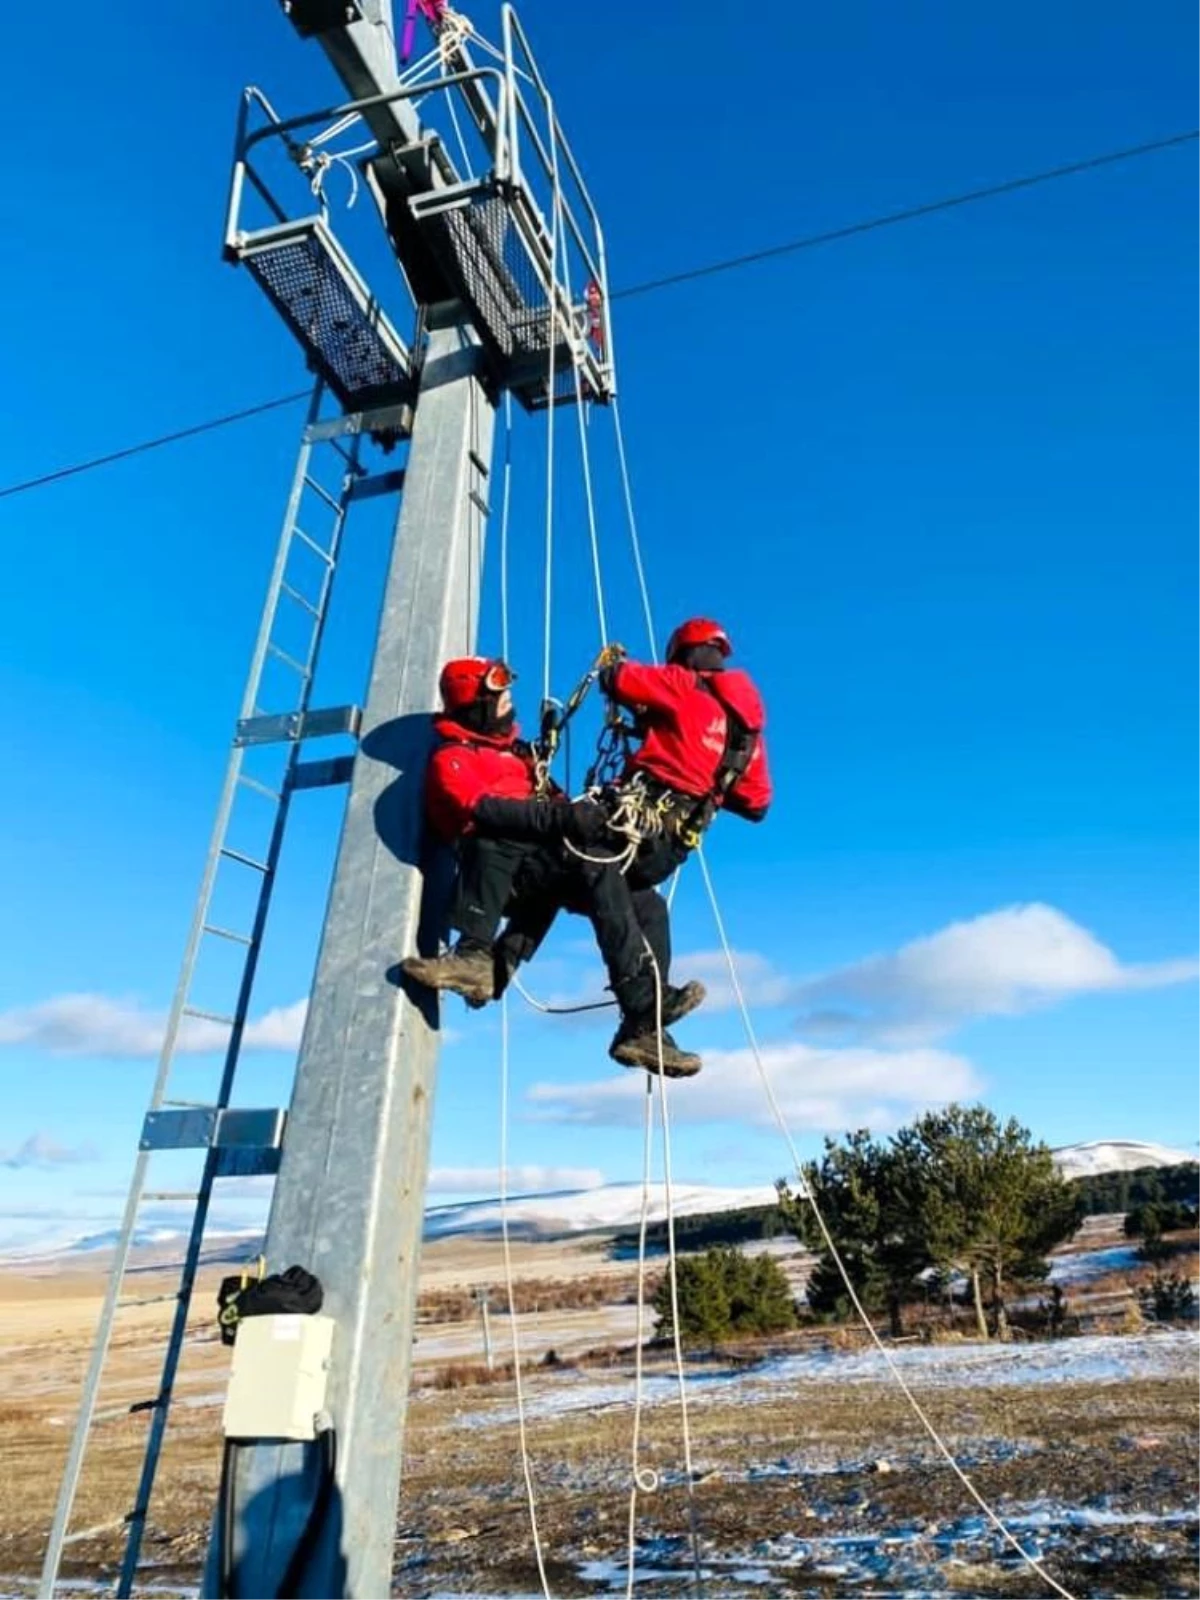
187	1105
300	599
169	1194
317	549
227	933
259	788
94	1533
115	1413
246	861
147	1300
208	1016
320	490
288	661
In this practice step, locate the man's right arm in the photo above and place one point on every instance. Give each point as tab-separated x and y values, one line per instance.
634	684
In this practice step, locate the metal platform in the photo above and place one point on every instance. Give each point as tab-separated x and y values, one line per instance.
314	286
492	247
514	237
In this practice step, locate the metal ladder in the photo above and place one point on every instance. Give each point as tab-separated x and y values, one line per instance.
236	1142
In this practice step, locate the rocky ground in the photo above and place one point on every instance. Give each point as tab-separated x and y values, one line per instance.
811	1472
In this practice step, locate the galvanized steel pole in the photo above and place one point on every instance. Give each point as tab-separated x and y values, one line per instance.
350	1194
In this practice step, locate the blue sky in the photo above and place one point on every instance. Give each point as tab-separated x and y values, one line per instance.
938	482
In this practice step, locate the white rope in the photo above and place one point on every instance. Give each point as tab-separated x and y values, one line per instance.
422	68
335	128
586	1005
505	507
781	1121
522	1437
558	1011
458	134
551	331
580	410
835	1256
645	1479
673	1275
634	537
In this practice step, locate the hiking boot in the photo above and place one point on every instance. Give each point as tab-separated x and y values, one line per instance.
639	1044
469	972
680	1002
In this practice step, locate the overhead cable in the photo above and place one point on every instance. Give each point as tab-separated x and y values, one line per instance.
810	241
155	444
889	219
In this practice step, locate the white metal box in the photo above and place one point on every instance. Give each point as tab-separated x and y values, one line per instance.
277	1380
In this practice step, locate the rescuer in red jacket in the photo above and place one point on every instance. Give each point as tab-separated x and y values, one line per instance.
702	751
479	764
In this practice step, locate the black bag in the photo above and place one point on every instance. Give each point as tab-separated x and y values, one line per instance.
294	1291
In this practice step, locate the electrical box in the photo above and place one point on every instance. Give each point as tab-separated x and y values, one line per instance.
278	1377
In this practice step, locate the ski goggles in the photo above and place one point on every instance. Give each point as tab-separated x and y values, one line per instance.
498	677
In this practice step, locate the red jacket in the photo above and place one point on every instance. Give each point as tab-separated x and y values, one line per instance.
467	766
684	717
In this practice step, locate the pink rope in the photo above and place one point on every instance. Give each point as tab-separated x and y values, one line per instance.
432	11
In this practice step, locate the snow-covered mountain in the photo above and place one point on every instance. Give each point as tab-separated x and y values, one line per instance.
540	1216
610	1207
150	1244
614	1205
1115	1155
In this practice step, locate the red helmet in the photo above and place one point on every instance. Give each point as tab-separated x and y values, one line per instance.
696	631
463	681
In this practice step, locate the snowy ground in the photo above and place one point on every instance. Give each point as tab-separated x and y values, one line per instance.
812	1476
944	1366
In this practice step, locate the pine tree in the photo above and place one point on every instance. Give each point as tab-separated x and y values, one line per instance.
724	1292
992	1203
869	1196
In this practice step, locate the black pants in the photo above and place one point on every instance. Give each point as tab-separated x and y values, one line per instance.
531	881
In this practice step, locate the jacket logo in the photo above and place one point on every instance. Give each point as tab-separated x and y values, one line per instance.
713	737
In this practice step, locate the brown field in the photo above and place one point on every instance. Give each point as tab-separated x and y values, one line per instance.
800	1488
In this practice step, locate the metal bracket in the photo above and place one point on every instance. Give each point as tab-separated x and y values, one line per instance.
379	483
321	774
290	726
386	420
322	16
212	1128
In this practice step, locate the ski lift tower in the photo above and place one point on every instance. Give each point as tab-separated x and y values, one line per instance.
488	245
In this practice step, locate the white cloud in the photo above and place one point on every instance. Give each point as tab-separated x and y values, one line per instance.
761	984
40	1151
816	1089
95	1025
521	1180
1001	964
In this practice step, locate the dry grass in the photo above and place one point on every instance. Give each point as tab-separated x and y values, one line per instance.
1125	1440
535	1295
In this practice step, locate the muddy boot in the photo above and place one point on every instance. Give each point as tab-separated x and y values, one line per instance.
639	1044
467	970
680	1002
